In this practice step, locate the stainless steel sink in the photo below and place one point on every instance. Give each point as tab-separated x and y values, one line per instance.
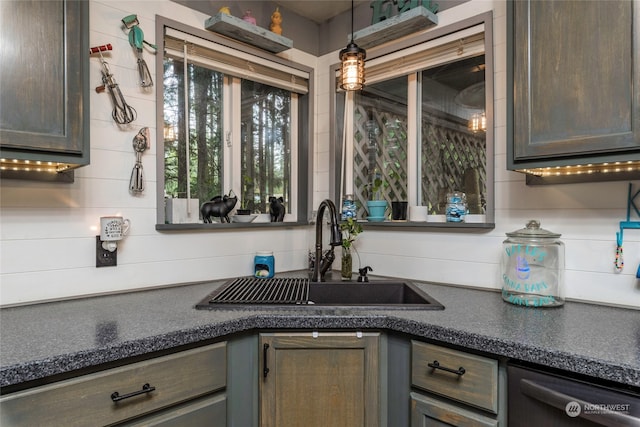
249	292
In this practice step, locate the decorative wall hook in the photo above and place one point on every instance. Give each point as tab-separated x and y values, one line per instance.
619	259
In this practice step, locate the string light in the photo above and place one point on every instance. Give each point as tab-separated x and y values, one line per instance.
590	168
24	165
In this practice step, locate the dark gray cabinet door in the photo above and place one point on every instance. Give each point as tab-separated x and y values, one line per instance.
574	78
44	80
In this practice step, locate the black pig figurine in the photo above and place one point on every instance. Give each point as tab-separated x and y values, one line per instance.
276	209
218	206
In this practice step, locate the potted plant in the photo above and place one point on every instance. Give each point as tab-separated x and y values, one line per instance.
243	210
377	206
247	194
350	230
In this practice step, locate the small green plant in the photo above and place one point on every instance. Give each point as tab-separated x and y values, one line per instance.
378	186
350	230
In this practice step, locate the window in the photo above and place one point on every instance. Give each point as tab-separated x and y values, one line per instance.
422	126
266	145
232	125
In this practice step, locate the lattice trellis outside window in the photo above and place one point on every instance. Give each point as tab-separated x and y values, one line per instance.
380	152
452	159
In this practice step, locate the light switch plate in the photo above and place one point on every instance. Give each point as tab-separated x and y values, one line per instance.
104	258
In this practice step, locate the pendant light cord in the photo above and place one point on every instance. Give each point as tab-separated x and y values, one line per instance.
351	21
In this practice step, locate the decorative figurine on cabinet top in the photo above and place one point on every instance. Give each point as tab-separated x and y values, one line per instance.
276	22
219	206
276	209
225	10
249	18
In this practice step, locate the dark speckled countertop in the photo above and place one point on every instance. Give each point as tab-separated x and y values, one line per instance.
41	340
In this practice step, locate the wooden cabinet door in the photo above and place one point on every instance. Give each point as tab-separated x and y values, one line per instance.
574	79
44	75
319	379
429	412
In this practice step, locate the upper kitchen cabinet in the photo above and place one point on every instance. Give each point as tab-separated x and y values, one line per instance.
44	75
573	93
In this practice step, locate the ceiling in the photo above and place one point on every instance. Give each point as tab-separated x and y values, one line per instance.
318	11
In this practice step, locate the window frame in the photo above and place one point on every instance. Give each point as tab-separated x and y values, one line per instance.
376	56
304	112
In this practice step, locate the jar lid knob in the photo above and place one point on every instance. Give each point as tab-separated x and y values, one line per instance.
533	224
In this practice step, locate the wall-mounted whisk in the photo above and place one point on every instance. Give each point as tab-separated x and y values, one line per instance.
122	113
136	40
140	144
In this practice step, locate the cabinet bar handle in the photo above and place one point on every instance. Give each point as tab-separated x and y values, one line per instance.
436	365
265	370
115	396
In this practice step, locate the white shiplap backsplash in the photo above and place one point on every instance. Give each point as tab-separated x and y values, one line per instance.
47	234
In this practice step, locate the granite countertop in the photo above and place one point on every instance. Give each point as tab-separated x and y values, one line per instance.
41	340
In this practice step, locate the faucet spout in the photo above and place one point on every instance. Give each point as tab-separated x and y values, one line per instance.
322	264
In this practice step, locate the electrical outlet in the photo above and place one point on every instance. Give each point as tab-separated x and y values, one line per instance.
104	258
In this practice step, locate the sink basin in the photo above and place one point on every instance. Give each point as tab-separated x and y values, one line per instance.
250	292
385	293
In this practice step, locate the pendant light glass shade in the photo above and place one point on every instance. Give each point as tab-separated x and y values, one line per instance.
352	64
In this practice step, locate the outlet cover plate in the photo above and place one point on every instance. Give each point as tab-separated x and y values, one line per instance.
104	258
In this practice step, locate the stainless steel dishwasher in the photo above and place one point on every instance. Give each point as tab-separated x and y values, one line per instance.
541	399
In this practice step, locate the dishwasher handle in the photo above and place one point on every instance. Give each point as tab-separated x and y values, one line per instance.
560	401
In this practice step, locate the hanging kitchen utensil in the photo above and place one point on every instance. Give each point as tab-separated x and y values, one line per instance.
122	112
136	40
140	144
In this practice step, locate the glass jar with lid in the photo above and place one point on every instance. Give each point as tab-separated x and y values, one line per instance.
456	208
533	267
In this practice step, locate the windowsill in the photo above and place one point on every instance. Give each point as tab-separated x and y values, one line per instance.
386	225
219	226
429	226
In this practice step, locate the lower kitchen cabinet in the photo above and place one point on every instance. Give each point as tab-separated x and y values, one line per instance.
320	379
456	388
170	384
426	411
208	411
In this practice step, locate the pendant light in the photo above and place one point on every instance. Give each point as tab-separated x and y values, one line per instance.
352	64
478	122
